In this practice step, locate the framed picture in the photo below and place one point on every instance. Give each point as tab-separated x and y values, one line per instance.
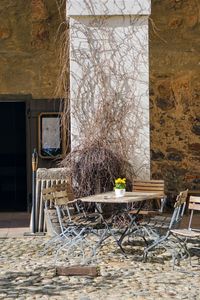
51	140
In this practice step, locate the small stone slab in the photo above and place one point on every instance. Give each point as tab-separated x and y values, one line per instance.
92	271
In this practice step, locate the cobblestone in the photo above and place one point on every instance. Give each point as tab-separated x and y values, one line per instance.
25	274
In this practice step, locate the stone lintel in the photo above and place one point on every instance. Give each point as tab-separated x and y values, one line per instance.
108	7
52	173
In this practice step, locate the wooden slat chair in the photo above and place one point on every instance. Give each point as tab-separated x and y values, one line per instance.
160	230
52	221
182	235
49	202
80	224
64	199
64	196
161	223
157	186
57	195
65	229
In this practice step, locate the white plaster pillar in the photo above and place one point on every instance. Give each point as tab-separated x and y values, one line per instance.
110	37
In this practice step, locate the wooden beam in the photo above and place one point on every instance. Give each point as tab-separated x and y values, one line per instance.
78	271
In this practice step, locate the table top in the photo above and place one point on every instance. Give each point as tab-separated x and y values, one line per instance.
129	197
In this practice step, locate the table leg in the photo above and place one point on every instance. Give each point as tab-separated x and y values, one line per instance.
108	232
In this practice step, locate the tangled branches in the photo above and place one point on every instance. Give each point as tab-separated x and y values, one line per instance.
94	169
108	107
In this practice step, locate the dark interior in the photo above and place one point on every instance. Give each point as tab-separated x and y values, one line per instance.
13	186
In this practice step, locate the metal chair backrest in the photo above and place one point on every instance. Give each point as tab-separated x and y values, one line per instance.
194	204
179	209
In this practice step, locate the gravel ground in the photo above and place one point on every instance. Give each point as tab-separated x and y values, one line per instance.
26	274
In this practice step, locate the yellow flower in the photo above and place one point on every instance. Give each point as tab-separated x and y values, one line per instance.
118	180
120	183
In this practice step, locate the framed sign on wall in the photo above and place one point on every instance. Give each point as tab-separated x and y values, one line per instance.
51	138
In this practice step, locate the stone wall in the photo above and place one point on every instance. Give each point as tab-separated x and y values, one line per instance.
175	92
28	63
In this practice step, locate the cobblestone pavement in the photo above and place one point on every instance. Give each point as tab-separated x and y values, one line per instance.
24	274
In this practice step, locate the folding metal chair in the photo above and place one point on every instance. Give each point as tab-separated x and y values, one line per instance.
160	232
76	226
53	225
183	235
140	214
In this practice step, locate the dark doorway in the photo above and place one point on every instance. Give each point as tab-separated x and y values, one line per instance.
13	187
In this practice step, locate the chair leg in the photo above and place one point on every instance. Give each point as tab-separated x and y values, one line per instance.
183	250
154	245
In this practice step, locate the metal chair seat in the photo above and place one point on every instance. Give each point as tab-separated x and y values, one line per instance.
186	233
157	221
144	212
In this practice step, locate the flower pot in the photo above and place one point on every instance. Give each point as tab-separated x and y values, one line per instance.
119	193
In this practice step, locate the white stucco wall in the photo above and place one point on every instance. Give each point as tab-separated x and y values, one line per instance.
109	7
116	45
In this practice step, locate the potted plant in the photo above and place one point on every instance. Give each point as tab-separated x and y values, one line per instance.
120	187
